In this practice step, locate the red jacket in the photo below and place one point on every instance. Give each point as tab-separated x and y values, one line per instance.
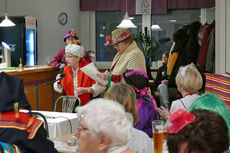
83	80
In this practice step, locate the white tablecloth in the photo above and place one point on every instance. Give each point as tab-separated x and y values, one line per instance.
59	123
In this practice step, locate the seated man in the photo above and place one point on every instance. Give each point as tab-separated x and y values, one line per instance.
104	127
16	127
162	83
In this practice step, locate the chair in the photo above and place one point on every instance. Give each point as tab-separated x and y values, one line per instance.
68	103
37	115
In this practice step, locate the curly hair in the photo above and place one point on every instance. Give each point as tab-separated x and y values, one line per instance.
208	133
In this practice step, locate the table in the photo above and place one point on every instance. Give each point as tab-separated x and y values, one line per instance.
60	143
59	123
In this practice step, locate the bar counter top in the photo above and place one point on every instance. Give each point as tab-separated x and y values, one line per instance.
40	98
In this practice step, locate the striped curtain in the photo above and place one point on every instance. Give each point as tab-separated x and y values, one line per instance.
219	84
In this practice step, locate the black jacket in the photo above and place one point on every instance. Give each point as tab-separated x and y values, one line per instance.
161	74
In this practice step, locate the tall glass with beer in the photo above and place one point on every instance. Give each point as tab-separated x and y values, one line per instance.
158	135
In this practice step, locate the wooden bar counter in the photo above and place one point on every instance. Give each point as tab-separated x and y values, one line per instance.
42	98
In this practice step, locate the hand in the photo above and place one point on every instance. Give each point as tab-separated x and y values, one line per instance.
59	84
103	76
166	82
163	112
82	90
58	77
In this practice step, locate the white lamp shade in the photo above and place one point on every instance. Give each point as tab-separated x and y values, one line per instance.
126	22
156	27
6	22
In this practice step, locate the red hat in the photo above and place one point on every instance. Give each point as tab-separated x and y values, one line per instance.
180	119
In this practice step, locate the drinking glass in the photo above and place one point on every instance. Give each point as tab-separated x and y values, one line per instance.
158	135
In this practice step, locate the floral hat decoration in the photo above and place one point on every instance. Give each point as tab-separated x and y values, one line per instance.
179	120
70	33
118	35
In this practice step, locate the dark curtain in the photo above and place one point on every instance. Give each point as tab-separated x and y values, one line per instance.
183	4
108	5
158	6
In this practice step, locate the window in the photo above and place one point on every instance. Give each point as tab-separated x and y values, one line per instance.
106	22
169	24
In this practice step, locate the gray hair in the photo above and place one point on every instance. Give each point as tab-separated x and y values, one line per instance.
75	49
107	117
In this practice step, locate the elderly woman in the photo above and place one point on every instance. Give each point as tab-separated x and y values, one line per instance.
75	82
189	82
129	56
104	127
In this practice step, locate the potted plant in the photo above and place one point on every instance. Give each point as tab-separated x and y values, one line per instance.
145	42
147	46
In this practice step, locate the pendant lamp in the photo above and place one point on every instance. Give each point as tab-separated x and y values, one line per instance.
156	27
6	22
126	22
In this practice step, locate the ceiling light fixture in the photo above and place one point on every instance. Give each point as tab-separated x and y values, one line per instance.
156	27
6	22
126	22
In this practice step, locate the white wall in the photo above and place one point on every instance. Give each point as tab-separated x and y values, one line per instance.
222	28
50	32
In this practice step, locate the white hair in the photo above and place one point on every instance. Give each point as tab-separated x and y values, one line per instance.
75	49
107	117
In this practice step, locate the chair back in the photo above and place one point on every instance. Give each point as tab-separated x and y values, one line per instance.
68	103
37	115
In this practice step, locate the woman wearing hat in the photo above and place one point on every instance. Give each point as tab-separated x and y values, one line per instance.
59	58
129	56
146	104
75	82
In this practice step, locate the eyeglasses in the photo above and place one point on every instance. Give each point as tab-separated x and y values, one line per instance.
80	128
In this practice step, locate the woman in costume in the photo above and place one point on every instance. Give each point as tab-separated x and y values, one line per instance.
146	104
75	82
129	56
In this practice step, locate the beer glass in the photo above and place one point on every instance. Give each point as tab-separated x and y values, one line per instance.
158	135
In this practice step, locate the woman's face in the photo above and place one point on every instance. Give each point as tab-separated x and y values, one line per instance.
69	40
72	60
121	46
85	142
